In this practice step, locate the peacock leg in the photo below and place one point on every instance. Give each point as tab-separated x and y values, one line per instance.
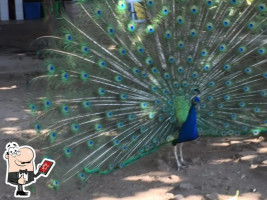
181	153
176	157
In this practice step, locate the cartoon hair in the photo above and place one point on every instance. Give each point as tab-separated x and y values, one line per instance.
11	144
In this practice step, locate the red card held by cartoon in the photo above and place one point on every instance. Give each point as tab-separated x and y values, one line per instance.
46	166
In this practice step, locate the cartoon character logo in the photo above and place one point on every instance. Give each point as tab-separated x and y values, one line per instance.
21	170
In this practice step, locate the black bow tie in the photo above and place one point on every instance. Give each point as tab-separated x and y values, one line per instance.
23	171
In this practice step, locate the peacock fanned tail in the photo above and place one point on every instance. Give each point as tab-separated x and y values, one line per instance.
116	90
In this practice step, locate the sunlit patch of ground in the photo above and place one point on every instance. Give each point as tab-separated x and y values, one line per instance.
8	88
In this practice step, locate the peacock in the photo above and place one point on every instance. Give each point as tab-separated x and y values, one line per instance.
122	78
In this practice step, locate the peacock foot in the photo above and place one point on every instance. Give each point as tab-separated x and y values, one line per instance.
181	168
184	163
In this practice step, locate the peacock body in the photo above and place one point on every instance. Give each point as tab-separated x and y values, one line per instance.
120	77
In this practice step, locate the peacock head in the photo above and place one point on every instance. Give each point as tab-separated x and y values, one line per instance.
196	91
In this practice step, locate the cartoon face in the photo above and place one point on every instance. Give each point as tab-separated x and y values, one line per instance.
20	158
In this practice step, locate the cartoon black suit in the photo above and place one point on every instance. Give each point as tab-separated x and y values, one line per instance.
13	178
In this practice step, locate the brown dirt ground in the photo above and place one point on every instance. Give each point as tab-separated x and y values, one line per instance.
216	167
